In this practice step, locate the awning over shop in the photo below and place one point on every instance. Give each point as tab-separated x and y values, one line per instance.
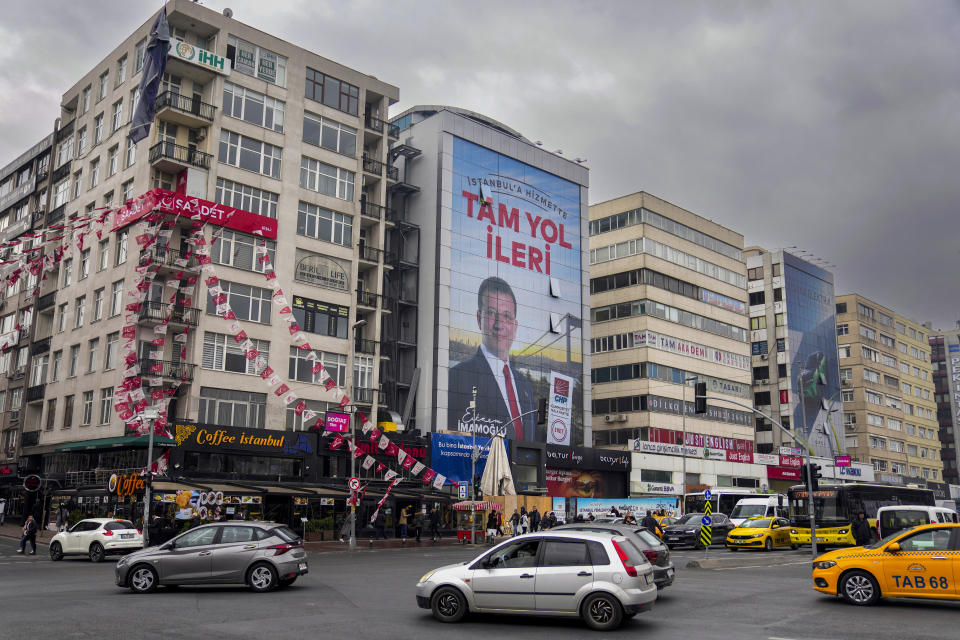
116	443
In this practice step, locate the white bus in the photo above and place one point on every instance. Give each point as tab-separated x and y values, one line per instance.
722	499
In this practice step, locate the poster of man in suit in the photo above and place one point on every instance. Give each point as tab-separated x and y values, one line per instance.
515	300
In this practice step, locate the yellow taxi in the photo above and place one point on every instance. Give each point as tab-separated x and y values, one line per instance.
664	522
922	562
760	533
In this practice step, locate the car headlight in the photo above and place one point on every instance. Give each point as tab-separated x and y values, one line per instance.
844	532
793	531
124	560
426	576
757	535
824	564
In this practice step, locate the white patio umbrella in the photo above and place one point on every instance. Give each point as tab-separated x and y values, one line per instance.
497	479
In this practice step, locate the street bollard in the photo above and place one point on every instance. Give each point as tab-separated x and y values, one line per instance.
371	543
403	543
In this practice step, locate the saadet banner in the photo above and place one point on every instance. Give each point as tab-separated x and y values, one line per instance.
560	409
515	296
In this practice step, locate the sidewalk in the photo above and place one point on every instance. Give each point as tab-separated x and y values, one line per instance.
15	531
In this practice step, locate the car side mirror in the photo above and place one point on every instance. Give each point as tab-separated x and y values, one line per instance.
774	526
893	547
169	545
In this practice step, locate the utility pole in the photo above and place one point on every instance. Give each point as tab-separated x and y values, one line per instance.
149	415
353	470
811	512
683	444
473	466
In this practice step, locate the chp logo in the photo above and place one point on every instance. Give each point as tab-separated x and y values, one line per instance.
561	390
559	430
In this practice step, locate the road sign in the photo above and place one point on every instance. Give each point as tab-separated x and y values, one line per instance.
706	531
791	451
32	482
707	495
462	489
353	483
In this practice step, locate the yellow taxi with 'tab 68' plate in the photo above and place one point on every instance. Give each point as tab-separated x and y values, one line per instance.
922	562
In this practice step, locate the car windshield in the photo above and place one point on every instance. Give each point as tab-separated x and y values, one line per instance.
285	534
748	510
118	525
690	518
758	523
885	540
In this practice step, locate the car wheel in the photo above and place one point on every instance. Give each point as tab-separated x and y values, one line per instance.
142	579
97	554
768	544
860	588
56	551
794	547
602	612
448	604
262	577
284	583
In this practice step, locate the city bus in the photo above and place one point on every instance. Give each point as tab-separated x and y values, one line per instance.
836	507
722	499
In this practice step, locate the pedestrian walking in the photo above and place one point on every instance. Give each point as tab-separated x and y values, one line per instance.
29	535
861	530
524	522
515	522
402	520
535	520
63	517
418	524
3	510
650	523
492	524
347	525
435	525
499	523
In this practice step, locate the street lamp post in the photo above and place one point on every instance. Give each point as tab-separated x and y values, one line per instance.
353	467
473	467
149	414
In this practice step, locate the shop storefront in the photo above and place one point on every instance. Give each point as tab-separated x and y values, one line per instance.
579	472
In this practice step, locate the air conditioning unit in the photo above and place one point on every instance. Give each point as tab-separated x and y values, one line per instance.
764	381
609	418
621	417
763	356
850	426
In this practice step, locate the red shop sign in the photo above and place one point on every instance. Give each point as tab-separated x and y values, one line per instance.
189	207
782	473
791	461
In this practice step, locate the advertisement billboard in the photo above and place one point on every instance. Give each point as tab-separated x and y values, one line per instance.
515	303
637	506
450	455
812	348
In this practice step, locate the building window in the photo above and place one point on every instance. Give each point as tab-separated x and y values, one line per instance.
121	70
131	152
250	106
329	134
81	141
295	422
141	50
55	370
84	264
247	153
94	173
843	329
126	192
92	360
847	395
117	115
85	100
98	129
321	318
332	92
106	403
98	304
67	272
231	408
240	196
222	353
874	420
110	355
326	179
251	60
104	255
758	323
363	372
78	311
113	160
103	86
122	247
248	303
324	224
781	345
874	398
38	371
236	249
116	298
67	413
850	419
86	416
846	374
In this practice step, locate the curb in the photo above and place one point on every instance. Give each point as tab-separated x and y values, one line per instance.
742	562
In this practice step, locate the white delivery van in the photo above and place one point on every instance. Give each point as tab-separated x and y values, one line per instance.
770	505
896	518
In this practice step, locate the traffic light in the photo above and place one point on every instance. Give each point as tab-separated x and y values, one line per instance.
811	471
542	411
700	400
477	492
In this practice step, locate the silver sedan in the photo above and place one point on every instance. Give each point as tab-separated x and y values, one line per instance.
262	555
598	577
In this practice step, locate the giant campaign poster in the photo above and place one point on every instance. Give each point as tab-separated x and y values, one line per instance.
515	283
812	344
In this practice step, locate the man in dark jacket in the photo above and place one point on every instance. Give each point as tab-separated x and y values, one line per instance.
650	523
435	524
535	520
861	530
30	529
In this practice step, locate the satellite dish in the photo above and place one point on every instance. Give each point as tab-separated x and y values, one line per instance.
228	12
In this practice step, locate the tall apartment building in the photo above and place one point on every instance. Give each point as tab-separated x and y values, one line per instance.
669	304
793	345
24	186
889	410
945	359
244	120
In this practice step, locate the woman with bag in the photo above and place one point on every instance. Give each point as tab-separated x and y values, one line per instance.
29	535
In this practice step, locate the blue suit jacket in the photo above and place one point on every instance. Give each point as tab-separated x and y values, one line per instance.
491	406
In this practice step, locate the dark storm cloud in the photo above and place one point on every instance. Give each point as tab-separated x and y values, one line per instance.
832	126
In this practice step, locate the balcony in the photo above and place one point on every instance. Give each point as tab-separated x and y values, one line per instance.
373	255
46	301
393	131
361	345
393	173
372	211
175	260
56	215
363	395
38	217
172	158
408	299
372	166
373	123
35	393
168	369
62	171
153	311
40	346
184	110
367	299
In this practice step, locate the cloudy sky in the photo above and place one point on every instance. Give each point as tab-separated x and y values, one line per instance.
829	125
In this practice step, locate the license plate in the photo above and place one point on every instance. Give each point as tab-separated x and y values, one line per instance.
739	542
126	535
302	566
819	539
673	539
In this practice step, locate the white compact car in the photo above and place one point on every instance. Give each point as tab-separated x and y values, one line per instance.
96	538
599	577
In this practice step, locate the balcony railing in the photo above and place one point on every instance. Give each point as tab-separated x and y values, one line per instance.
57	214
168	369
370	254
371	210
372	166
363	395
35	393
367	299
371	121
180	155
157	311
361	345
37	217
170	258
186	104
393	173
393	130
46	301
62	171
40	346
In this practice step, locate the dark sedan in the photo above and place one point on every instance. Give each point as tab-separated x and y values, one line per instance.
656	552
687	530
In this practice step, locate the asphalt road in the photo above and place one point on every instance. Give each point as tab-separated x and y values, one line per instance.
370	595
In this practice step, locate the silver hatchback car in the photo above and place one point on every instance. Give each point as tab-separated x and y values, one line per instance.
262	555
598	577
